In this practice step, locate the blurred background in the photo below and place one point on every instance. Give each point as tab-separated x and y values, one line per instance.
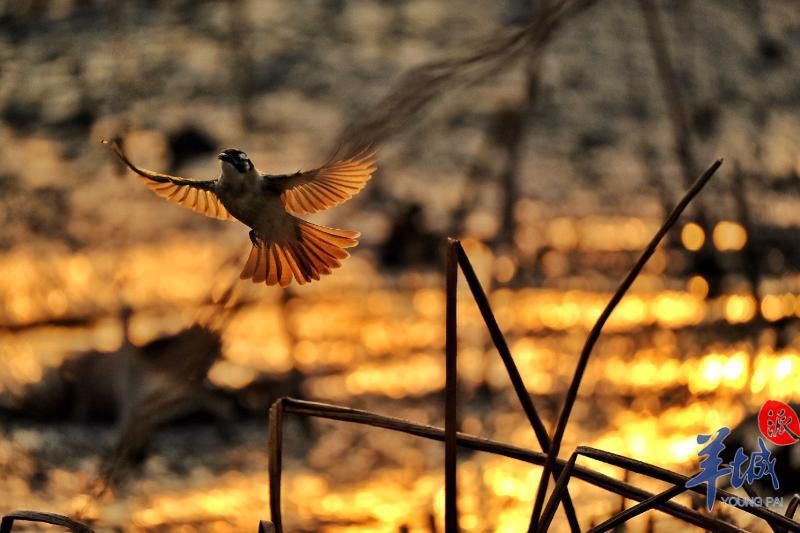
129	399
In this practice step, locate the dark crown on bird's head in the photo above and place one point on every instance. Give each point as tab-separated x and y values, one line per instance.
237	158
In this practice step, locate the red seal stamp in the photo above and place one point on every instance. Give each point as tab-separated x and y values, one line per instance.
778	423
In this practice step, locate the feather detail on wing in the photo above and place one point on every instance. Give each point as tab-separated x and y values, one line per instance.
324	187
199	196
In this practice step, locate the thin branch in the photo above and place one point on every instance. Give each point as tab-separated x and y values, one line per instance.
623	516
662	474
266	527
594	335
791	509
502	348
7	524
356	416
275	444
451	391
640	508
514	375
677	481
750	490
561	486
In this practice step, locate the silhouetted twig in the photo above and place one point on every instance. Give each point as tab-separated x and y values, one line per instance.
594	335
451	390
641	507
561	486
639	467
662	474
552	464
275	441
7	524
511	368
356	416
791	509
266	527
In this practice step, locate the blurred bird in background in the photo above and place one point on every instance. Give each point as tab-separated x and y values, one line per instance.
284	246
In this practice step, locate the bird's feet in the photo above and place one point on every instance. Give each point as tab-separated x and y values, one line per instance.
254	238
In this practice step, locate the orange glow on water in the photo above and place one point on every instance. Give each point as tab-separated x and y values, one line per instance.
698	286
729	236
692	236
739	308
386	340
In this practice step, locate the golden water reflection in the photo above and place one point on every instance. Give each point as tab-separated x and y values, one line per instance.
359	342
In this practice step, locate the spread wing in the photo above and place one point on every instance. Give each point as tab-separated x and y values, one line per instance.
199	196
324	187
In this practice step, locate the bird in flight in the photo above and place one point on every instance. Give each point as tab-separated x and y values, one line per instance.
284	246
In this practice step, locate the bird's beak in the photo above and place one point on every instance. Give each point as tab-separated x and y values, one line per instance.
225	157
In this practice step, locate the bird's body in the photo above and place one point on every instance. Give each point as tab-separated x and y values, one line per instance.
284	246
251	201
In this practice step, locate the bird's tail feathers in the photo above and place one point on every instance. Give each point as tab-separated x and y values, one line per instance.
317	251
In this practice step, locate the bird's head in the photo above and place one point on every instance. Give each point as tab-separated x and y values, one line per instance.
235	160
